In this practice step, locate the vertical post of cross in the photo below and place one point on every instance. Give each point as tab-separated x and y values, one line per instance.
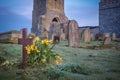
24	41
24	33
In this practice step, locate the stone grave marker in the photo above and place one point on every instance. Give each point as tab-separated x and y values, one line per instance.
73	33
106	35
86	35
113	36
107	41
62	34
24	41
92	37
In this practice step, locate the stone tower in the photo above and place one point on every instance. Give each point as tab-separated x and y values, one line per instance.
47	13
109	16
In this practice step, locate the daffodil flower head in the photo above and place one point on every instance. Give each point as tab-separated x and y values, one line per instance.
43	61
57	62
36	39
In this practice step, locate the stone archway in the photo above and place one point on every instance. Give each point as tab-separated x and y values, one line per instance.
55	19
54	29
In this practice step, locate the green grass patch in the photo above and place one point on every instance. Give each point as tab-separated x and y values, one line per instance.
77	64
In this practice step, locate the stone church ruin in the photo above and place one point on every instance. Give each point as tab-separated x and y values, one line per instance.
48	18
109	16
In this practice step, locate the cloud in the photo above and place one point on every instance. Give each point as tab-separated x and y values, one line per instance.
84	11
20	7
25	9
10	20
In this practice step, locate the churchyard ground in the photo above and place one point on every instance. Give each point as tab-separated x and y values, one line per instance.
84	63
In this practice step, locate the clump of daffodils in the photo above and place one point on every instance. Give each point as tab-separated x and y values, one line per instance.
58	59
41	52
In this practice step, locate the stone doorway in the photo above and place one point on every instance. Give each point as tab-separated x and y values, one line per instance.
54	29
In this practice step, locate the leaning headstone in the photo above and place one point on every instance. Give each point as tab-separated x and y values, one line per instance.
62	34
87	35
92	37
113	36
106	35
24	41
73	33
107	41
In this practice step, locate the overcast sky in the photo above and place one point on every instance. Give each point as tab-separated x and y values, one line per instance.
17	14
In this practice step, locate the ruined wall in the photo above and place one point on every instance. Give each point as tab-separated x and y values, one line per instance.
44	12
55	5
39	8
109	16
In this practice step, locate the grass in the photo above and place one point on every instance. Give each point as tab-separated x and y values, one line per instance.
104	64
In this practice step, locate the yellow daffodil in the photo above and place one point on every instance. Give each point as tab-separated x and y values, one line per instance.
43	61
28	50
59	58
56	62
47	42
32	47
34	50
36	39
38	51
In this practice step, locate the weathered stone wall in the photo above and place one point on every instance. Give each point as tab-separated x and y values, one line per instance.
10	37
10	34
39	8
55	5
6	36
44	12
109	16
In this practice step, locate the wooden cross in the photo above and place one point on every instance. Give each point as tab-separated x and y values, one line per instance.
24	41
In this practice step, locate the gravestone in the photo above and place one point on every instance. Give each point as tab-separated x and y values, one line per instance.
113	36
24	41
73	34
106	35
92	37
87	35
62	34
107	41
